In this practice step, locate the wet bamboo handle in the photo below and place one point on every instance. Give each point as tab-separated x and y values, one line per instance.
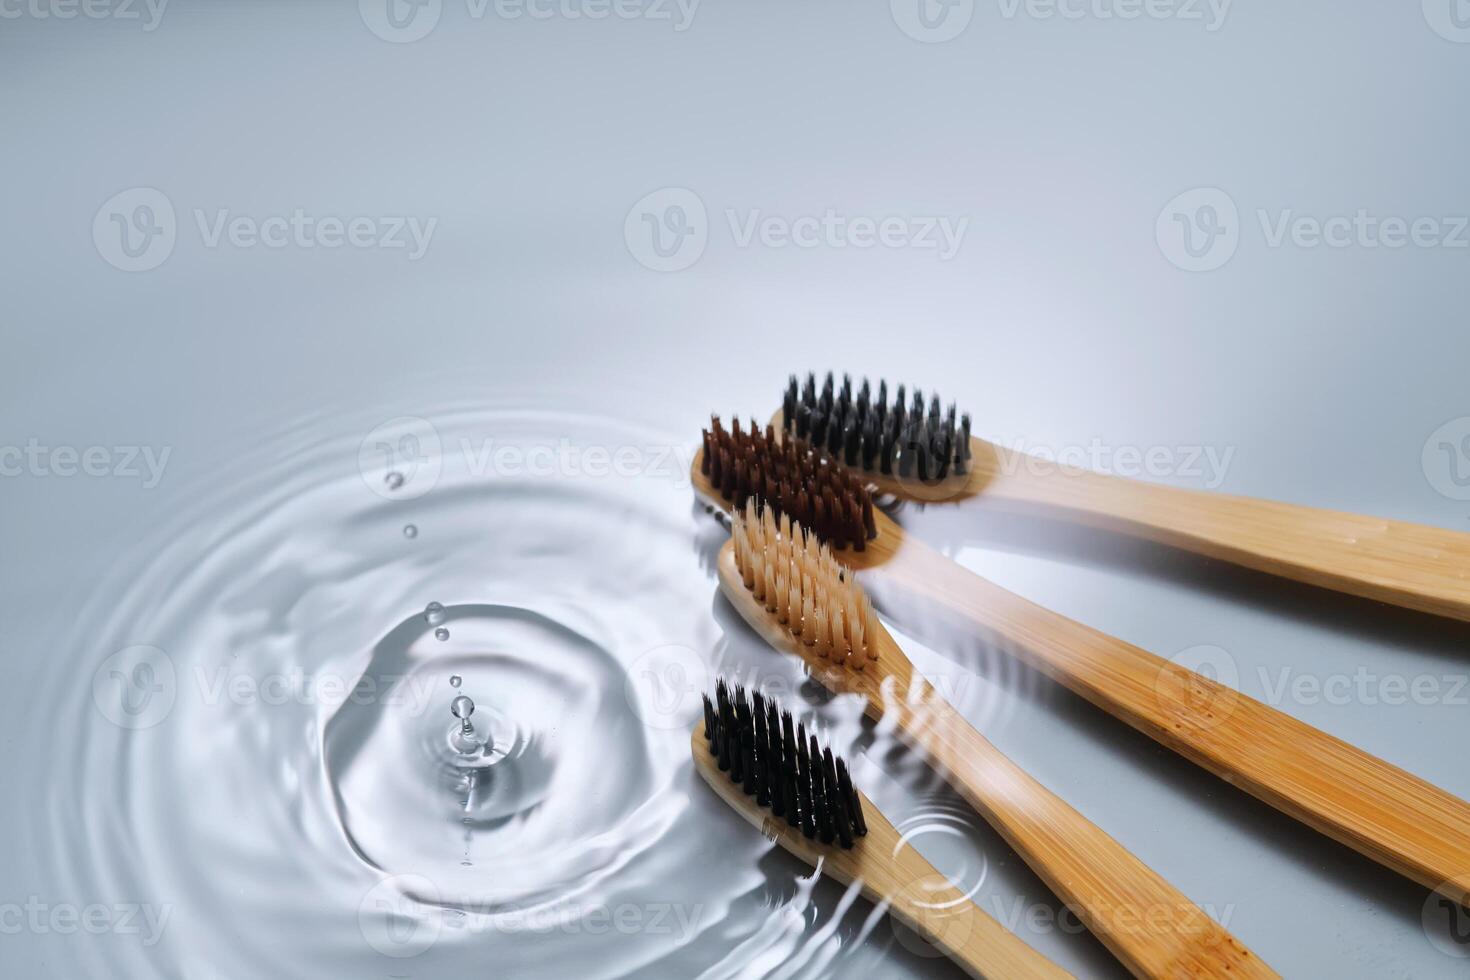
1410	565
887	869
1150	926
1393	817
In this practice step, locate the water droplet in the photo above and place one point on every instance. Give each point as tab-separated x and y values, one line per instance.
441	634
394	479
434	613
455	681
410	530
461	707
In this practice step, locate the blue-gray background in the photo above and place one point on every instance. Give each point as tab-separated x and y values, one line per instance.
1063	318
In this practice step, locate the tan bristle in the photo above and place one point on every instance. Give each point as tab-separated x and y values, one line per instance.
804	587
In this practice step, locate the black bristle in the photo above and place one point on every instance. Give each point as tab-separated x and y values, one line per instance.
825	824
747	760
854	804
732	752
709	722
909	434
808	816
762	751
836	800
792	789
779	763
726	726
777	760
747	744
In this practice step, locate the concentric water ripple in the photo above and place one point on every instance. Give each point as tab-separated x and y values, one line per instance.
269	702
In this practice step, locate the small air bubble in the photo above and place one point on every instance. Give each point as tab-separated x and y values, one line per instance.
434	613
441	634
455	681
410	530
394	479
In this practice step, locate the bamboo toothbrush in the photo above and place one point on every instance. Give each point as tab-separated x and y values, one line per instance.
929	455
775	776
796	595
1379	810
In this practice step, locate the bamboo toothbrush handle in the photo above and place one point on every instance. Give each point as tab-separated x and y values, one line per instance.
888	869
1410	565
1393	817
1149	925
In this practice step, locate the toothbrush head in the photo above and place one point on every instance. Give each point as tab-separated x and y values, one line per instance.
896	438
792	478
804	589
781	766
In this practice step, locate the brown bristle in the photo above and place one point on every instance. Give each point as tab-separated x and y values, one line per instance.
803	587
793	478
